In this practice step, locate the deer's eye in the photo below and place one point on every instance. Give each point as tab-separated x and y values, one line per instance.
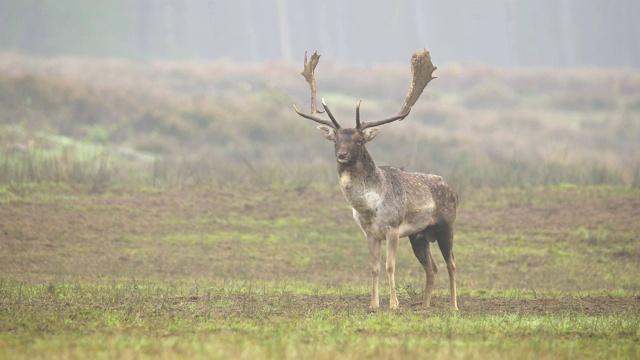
358	142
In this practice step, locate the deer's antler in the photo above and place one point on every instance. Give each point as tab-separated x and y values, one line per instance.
421	73
308	73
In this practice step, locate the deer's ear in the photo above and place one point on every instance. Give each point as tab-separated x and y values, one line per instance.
328	132
370	133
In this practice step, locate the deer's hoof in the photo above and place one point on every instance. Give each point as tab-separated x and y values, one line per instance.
421	306
393	304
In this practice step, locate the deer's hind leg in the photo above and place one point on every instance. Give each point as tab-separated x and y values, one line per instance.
444	235
421	244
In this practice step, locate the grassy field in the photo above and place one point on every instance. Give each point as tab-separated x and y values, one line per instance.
182	210
234	272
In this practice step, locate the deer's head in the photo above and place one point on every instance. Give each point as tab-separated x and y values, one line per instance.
350	142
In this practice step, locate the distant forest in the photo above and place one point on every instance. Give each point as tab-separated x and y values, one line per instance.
556	33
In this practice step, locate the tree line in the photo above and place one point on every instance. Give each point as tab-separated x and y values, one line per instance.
558	33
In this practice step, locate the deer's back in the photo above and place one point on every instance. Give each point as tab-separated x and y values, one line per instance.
427	198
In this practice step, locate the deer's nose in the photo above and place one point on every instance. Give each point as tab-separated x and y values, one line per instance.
343	155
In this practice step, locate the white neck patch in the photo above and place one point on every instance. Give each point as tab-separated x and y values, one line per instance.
359	196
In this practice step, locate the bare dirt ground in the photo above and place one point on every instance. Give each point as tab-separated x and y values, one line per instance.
269	306
248	305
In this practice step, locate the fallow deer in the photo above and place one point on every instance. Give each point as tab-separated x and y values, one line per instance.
389	203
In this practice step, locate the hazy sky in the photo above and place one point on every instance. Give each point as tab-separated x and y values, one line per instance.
561	33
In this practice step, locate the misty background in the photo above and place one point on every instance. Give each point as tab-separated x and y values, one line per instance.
529	92
520	33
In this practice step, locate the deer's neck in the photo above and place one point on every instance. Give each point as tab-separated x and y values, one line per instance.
361	182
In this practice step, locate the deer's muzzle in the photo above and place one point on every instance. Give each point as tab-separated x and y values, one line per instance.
342	156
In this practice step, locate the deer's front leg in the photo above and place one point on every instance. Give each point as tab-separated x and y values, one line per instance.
374	251
392	247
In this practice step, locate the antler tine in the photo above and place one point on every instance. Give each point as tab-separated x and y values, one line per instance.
421	74
313	117
358	114
333	120
308	73
364	125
